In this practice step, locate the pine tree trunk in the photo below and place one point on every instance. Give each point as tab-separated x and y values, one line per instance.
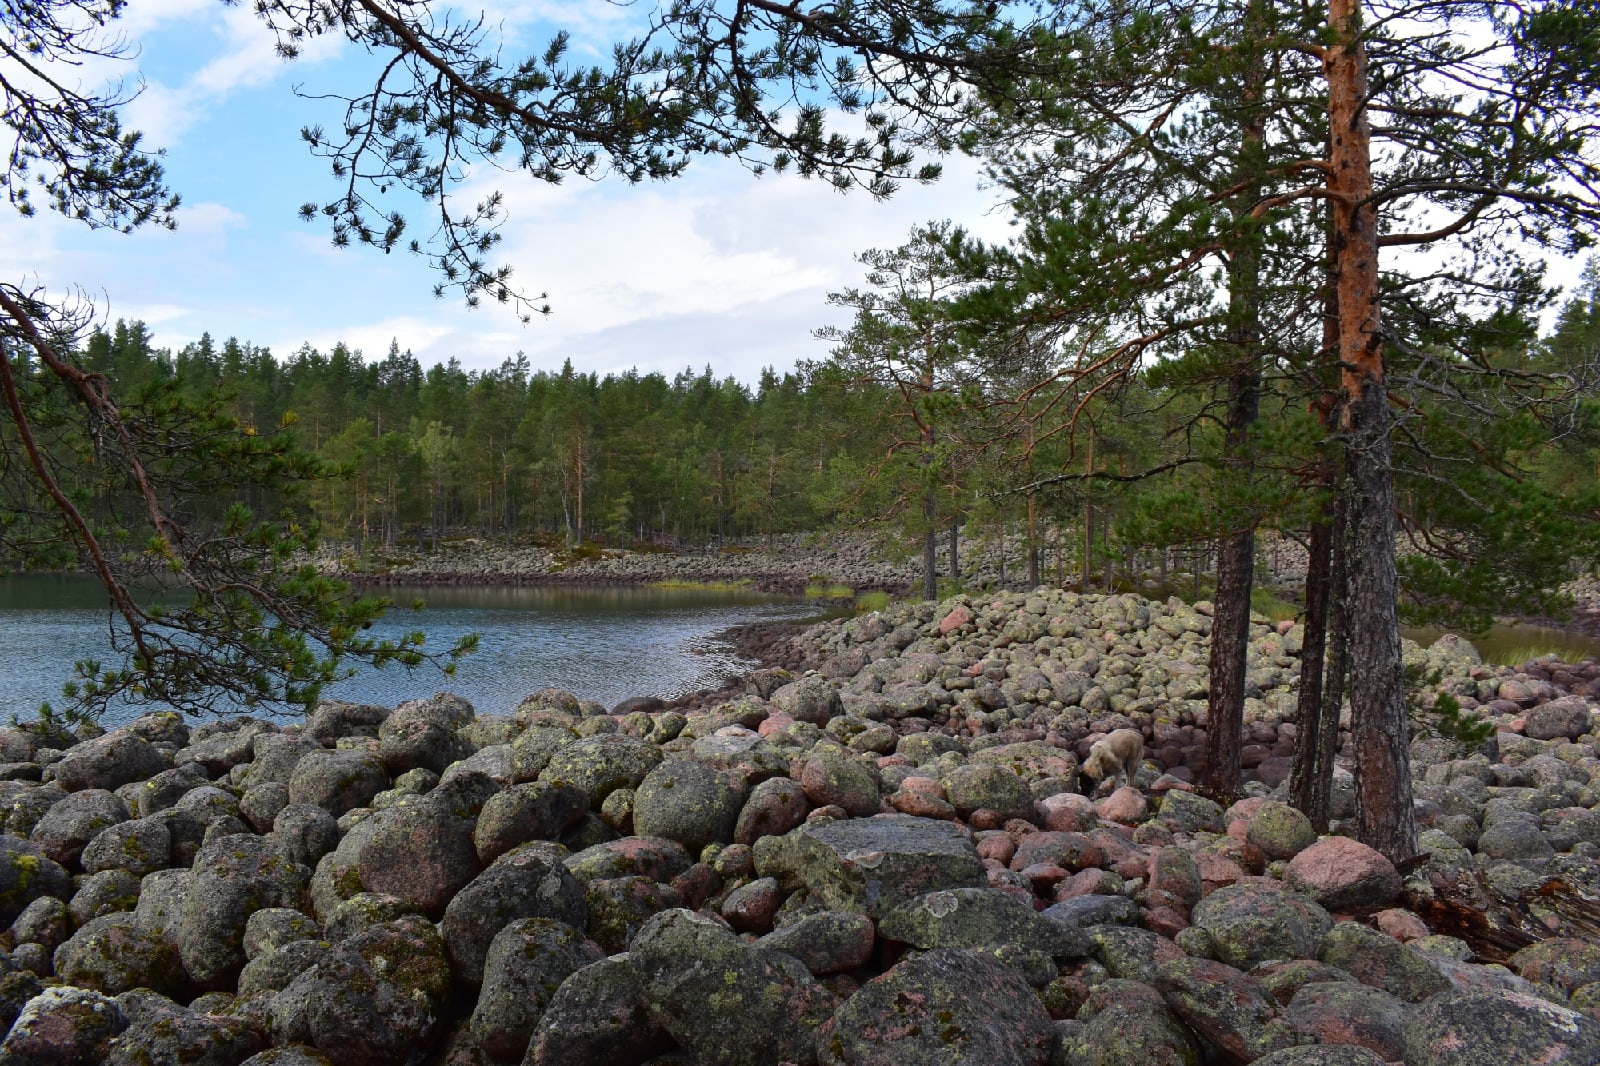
930	551
955	559
1308	790
1033	548
1385	819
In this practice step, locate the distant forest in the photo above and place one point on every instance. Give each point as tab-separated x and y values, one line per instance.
421	453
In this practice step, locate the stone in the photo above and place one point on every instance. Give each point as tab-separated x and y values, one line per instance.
1566	963
831	777
871	865
26	875
141	846
649	857
710	991
162	1032
114	953
421	853
1081	912
599	765
597	1015
979	918
106	892
1343	874
988	786
1344	1012
526	885
233	877
1280	831
378	997
1125	806
1568	718
526	964
337	781
826	942
334	720
304	833
537	810
810	699
1379	960
1189	812
1251	924
73	821
690	803
1131	953
1227	1008
425	733
109	762
750	908
1127	1023
620	906
270	928
948	1006
1494	1028
774	807
71	1026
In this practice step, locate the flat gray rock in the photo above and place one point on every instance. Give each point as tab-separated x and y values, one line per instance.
872	865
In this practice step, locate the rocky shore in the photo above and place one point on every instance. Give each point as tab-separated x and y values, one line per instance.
785	564
879	856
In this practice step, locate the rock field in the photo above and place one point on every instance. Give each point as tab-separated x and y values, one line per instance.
882	859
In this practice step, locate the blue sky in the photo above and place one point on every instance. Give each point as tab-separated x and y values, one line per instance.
716	267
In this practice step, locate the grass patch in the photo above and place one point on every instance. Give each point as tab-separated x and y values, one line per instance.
828	591
703	586
647	547
1264	601
1521	653
872	601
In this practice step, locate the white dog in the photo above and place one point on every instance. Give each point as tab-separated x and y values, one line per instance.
1115	755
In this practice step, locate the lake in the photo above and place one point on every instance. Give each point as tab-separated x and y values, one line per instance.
604	644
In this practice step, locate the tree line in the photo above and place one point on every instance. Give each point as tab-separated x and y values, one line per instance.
1210	320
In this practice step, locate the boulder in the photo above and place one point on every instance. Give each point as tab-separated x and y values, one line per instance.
422	853
1494	1027
1343	874
74	820
115	953
597	1015
1344	1012
233	877
1252	924
525	885
979	918
826	942
945	1006
537	810
72	1026
526	964
871	865
690	803
337	781
710	991
109	762
1227	1008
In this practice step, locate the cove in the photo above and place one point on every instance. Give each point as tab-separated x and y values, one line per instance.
604	644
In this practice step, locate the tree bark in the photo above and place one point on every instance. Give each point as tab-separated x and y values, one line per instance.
930	551
955	558
1384	815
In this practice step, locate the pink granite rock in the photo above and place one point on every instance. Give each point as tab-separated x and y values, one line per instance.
1126	805
954	621
1066	812
1343	874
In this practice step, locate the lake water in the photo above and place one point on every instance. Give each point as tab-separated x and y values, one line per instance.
604	644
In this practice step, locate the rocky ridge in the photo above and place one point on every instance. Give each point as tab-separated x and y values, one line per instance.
884	859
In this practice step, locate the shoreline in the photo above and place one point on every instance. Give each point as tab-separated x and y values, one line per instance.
894	843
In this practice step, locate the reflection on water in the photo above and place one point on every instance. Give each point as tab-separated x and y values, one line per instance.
604	644
1513	645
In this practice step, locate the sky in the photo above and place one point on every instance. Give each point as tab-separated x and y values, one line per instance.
715	268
